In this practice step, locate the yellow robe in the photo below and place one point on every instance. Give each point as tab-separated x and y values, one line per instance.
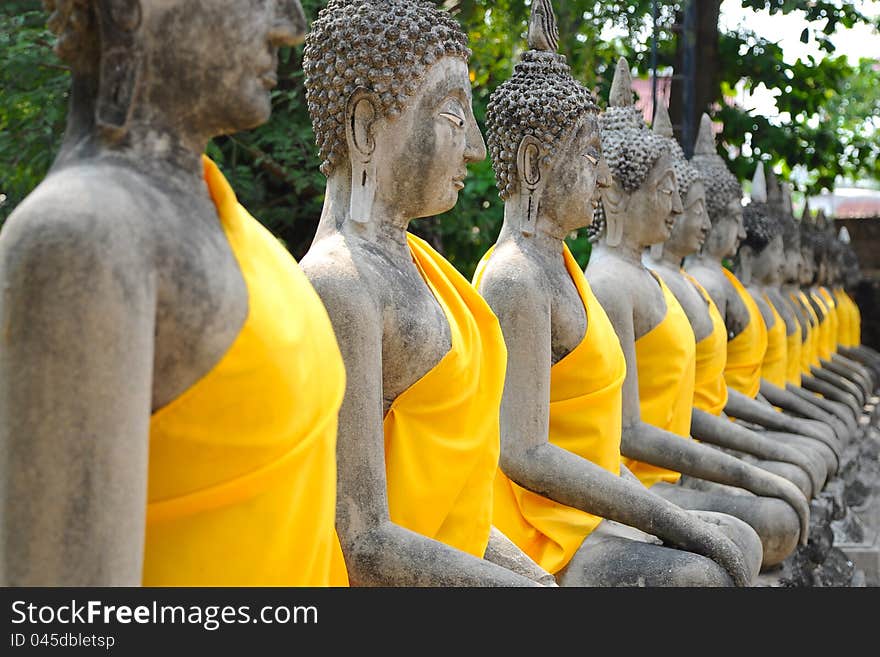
834	338
844	318
666	362
855	322
442	434
710	388
815	333
793	356
807	339
242	466
585	419
774	366
745	352
854	319
826	338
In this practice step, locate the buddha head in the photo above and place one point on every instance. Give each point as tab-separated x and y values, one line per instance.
196	68
762	247
792	260
723	195
642	198
389	95
808	251
692	225
851	273
543	135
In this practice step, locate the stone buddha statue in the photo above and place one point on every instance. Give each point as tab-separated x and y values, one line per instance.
390	99
746	331
658	343
838	369
709	423
562	493
166	421
851	345
774	201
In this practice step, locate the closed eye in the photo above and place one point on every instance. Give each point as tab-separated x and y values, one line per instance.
454	118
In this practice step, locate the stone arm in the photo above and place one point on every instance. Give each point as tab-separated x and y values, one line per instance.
809	414
853	371
720	431
645	442
78	312
869	359
819	383
839	416
379	552
533	462
762	413
713	283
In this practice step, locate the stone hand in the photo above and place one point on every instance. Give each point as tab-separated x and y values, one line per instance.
719	547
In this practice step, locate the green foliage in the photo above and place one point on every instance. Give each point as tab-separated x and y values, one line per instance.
274	169
33	98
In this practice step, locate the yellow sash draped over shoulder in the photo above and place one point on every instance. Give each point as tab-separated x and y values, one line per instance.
806	336
666	364
844	317
825	336
242	469
834	320
710	388
745	352
853	324
793	349
774	366
815	333
442	434
585	419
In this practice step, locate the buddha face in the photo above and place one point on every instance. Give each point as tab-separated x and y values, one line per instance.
576	175
727	231
808	267
650	211
212	63
692	226
421	156
767	266
791	265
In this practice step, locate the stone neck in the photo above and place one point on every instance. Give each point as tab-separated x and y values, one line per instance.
625	251
385	229
148	141
546	243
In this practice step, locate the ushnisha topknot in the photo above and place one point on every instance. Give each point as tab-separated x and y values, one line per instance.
722	186
685	173
541	99
383	46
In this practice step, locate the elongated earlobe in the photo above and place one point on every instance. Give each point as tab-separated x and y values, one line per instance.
121	64
528	162
360	119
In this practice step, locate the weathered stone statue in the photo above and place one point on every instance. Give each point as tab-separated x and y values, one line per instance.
169	381
658	343
390	99
771	205
560	493
835	368
709	423
746	332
